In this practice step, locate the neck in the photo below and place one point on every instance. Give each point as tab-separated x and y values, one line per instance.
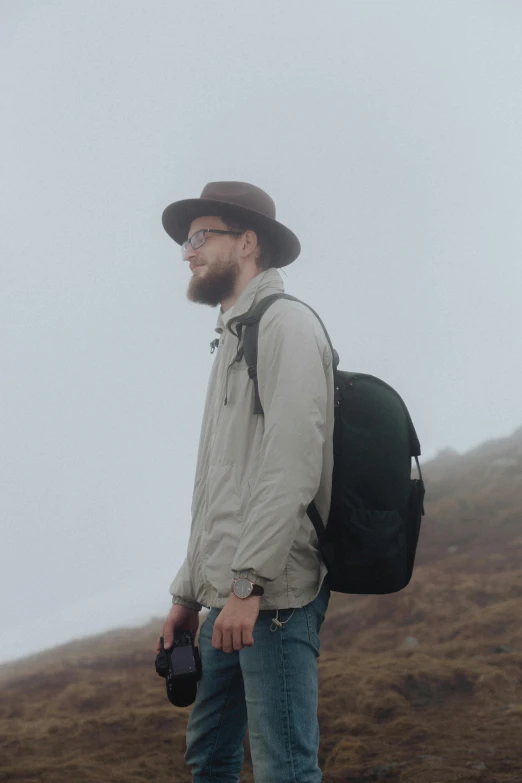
245	276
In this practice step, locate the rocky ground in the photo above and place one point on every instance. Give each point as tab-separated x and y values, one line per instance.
420	687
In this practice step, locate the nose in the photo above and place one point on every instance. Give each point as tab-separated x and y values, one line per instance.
189	253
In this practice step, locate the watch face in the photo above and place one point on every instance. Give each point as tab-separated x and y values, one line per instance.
242	588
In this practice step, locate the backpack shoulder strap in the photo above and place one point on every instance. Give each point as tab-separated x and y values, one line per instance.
251	338
249	348
251	324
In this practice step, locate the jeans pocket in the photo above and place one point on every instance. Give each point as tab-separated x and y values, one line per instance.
315	613
321	601
313	628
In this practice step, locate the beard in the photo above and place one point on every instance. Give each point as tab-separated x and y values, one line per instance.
217	284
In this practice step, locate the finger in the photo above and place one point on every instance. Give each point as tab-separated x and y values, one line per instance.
217	638
168	636
226	642
237	641
248	639
158	645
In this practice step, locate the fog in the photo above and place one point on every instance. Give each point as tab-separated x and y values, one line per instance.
389	135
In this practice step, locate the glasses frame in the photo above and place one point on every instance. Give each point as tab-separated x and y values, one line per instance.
202	232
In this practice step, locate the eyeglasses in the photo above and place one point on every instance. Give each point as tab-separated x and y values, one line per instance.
198	238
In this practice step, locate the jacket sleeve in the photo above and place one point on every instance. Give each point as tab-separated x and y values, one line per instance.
293	392
182	590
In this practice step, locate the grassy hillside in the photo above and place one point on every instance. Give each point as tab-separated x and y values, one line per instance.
421	687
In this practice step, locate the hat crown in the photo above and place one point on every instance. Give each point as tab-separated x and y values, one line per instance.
241	194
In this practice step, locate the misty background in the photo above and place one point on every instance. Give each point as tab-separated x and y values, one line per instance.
389	134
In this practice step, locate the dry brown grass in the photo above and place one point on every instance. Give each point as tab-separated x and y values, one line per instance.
448	709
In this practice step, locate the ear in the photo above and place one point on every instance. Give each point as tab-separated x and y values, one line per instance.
249	242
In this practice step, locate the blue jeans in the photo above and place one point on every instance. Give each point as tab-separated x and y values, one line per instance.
272	687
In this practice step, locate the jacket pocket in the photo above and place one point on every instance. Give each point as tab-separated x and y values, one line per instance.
223	496
222	525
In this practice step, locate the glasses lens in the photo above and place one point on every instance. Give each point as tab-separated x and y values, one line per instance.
183	250
197	239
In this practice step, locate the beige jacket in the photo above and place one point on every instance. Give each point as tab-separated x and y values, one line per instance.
255	474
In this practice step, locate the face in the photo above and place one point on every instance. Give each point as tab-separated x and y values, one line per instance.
215	266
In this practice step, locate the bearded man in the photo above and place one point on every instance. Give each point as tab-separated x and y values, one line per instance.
253	558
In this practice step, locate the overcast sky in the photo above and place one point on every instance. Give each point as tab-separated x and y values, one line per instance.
389	134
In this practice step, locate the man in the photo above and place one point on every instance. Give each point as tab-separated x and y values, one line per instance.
253	556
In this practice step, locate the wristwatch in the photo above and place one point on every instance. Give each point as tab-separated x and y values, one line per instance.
244	588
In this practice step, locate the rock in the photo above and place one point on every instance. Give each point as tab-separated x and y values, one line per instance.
383	771
409	643
503	648
477	765
432	760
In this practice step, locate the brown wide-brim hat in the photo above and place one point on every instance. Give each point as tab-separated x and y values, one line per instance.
234	200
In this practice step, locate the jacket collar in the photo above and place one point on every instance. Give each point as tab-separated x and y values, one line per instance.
264	284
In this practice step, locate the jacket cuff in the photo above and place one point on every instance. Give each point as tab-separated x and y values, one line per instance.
254	578
186	602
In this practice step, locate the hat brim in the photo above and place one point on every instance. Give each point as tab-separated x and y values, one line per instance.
178	216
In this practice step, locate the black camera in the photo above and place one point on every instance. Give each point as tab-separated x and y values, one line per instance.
180	666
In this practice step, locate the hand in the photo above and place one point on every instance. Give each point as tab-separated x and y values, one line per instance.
179	618
235	623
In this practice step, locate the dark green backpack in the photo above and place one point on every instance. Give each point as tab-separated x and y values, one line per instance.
370	539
